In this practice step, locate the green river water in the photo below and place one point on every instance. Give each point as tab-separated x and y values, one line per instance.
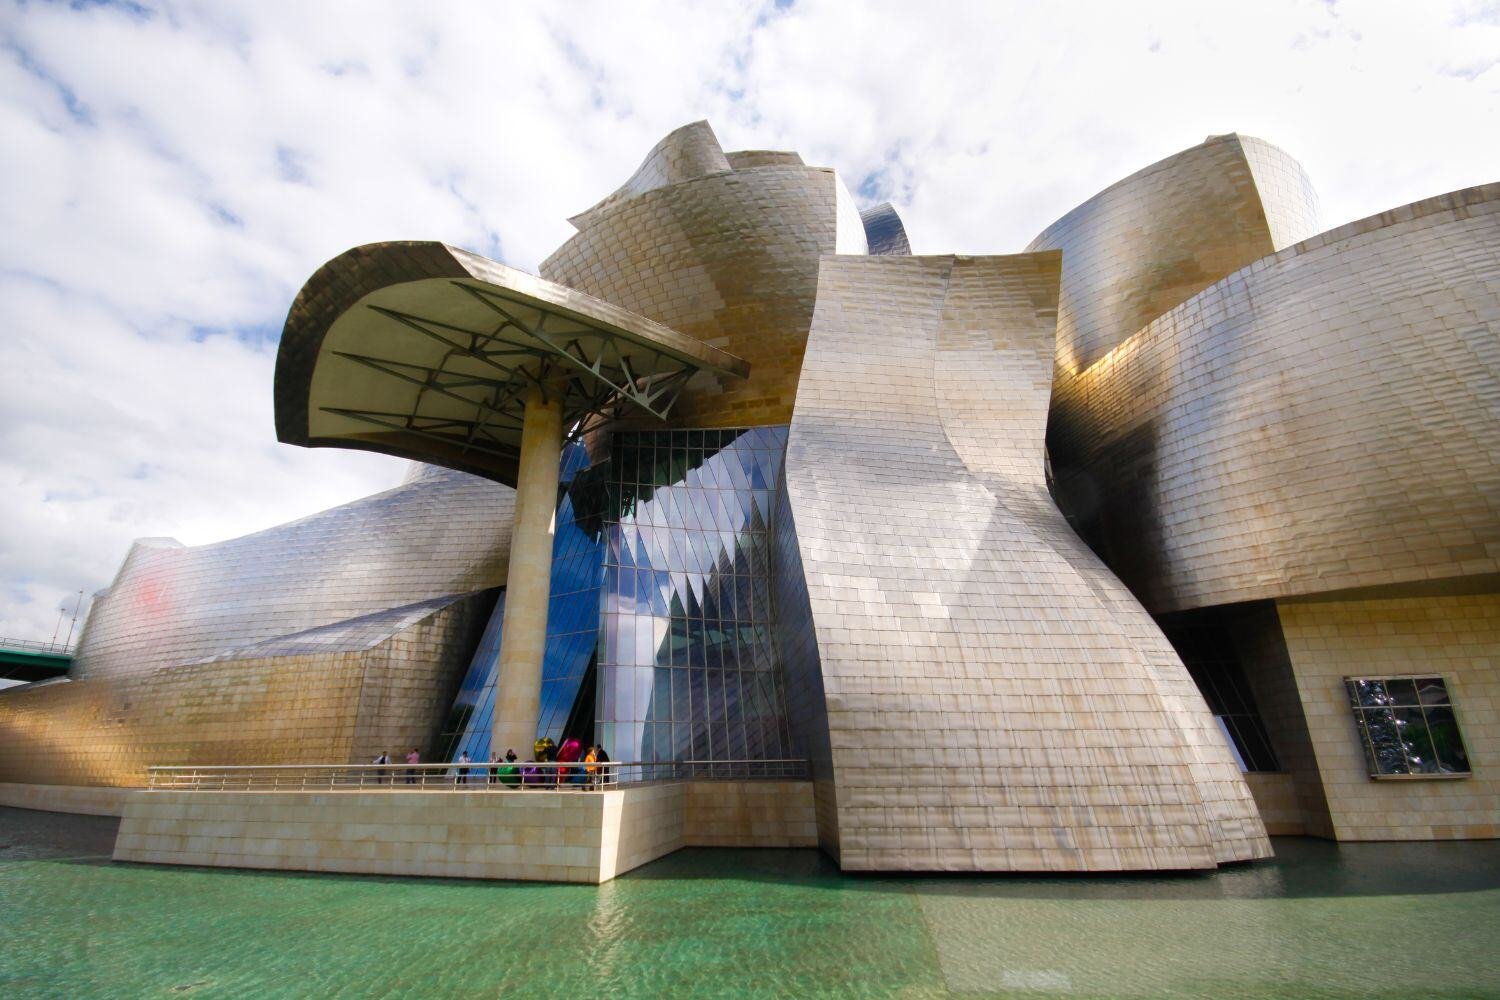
1321	921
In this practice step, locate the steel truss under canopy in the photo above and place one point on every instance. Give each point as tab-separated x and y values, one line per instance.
427	352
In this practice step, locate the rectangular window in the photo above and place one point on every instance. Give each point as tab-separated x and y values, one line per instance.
1407	727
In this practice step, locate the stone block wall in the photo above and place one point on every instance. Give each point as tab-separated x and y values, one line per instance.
572	836
1453	637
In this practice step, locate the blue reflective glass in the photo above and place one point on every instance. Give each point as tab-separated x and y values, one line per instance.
573	621
661	576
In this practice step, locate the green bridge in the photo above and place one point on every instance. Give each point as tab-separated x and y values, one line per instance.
23	660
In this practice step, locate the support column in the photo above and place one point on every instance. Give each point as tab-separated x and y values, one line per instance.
523	630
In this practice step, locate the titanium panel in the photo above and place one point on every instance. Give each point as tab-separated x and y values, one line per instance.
885	232
1326	418
337	705
727	257
170	604
995	699
1150	241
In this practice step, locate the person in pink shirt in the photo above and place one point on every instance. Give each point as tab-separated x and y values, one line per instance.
411	773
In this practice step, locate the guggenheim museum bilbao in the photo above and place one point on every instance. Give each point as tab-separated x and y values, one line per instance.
1180	527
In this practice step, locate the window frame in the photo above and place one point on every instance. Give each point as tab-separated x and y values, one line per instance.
1361	728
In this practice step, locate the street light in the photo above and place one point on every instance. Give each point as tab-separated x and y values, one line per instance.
76	606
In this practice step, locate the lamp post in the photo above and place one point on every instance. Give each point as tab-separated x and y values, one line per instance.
76	606
58	627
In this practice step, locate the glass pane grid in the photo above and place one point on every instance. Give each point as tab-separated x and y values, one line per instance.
687	666
1407	726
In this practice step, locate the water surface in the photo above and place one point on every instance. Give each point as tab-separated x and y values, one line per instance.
1328	921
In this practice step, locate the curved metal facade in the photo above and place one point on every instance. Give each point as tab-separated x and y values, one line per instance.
1327	418
170	604
329	638
991	697
1152	240
887	586
728	256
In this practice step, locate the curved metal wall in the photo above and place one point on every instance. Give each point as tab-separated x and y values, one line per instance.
444	534
367	688
728	257
1152	240
1326	418
991	697
326	639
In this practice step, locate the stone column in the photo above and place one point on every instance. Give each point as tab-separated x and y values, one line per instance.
523	630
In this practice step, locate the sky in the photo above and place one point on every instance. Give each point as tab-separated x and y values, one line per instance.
170	174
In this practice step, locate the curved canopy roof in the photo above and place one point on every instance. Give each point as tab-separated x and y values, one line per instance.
425	351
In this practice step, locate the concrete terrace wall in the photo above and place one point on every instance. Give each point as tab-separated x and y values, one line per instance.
87	800
541	836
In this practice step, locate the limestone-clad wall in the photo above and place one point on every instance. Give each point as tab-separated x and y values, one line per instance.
1327	418
749	814
1276	798
86	800
1453	637
514	834
994	698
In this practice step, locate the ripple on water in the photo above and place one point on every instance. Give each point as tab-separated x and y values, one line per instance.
1321	922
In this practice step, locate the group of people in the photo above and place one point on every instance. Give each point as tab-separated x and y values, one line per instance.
507	771
413	758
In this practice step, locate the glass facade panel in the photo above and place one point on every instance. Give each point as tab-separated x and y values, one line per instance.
1407	726
572	626
659	622
687	537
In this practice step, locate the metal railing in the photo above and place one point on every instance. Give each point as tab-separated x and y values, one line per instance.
481	776
32	646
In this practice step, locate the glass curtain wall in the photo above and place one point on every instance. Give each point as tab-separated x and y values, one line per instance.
687	663
660	624
572	624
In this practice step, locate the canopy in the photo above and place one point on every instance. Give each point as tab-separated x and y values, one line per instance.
425	351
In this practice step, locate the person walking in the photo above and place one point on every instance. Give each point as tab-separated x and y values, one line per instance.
412	759
380	772
591	766
463	768
510	775
602	758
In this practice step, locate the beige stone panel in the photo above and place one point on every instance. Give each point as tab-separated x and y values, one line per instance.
524	628
991	691
1256	634
79	799
750	814
573	836
1276	798
1453	637
1327	418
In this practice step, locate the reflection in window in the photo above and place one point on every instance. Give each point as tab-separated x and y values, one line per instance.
572	628
1407	726
687	661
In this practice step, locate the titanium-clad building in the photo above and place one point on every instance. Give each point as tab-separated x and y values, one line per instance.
1179	527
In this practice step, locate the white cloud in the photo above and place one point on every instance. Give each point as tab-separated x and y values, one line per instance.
171	178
